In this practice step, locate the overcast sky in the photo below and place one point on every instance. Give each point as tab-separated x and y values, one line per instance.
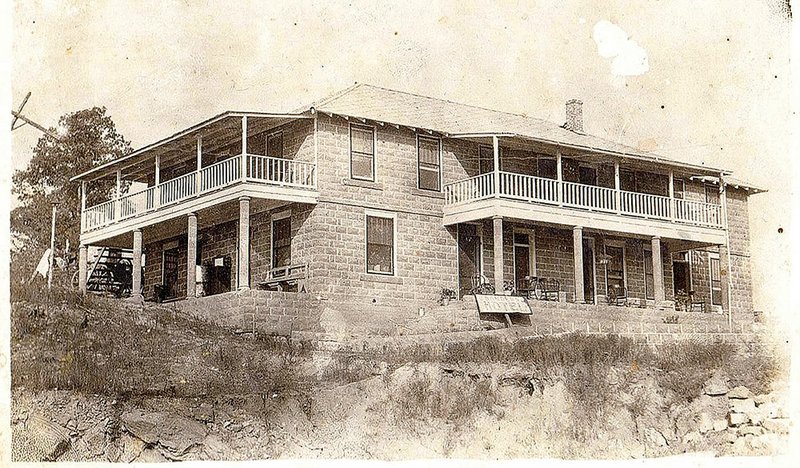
704	82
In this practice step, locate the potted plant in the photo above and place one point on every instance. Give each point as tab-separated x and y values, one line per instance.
447	295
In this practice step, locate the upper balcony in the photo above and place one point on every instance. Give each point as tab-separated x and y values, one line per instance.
263	171
202	170
569	203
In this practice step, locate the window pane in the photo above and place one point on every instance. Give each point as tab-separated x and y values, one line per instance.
361	166
429	151
275	145
361	140
428	179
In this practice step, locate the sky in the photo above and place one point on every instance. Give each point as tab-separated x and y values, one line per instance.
702	82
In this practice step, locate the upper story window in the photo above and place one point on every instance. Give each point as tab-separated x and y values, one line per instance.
485	159
275	145
380	243
547	168
712	194
429	168
362	152
679	188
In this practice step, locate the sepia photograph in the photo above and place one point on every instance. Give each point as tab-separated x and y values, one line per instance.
399	231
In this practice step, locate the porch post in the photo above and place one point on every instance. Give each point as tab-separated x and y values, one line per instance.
497	224
724	252
244	243
658	270
672	209
157	191
83	205
577	249
559	178
496	159
243	169
117	194
191	255
617	194
199	161
82	268
136	289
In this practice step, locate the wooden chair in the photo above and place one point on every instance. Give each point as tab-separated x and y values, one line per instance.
549	289
618	296
480	285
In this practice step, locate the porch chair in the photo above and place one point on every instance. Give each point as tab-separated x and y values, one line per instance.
480	285
618	296
549	289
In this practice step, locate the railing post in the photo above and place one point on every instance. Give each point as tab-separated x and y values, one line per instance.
198	182
672	209
243	162
617	194
496	159
559	179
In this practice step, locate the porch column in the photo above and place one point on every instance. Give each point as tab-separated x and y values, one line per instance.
559	178
658	270
617	194
243	169
496	159
244	243
577	250
117	196
136	289
83	205
672	196
191	255
497	223
199	161
724	280
82	268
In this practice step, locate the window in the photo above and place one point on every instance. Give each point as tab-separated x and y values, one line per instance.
281	242
380	244
615	269
485	159
649	286
716	282
679	188
712	194
428	158
547	168
362	152
627	180
275	145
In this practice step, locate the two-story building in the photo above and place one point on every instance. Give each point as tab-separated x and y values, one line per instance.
380	196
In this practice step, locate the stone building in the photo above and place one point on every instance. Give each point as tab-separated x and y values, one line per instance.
375	196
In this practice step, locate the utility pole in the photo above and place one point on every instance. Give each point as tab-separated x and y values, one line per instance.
18	116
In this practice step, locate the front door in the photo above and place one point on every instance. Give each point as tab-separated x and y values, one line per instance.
588	271
469	256
170	273
680	277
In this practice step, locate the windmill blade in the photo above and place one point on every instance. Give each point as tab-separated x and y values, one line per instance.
19	111
35	125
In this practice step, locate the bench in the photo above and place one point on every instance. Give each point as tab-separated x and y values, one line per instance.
286	278
543	289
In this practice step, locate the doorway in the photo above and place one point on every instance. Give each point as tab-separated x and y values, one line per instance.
169	273
469	256
589	289
522	259
681	273
217	275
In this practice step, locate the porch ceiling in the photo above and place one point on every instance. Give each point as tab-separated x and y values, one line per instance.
216	132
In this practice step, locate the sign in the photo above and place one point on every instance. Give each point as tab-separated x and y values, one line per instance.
491	304
219	261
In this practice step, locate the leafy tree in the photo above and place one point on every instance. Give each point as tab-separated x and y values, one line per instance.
88	138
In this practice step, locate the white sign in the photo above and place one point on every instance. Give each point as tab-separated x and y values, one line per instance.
491	304
219	261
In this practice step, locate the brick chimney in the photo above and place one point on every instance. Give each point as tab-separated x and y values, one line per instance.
574	116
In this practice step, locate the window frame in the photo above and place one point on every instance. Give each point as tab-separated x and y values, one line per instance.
682	191
279	216
266	144
713	256
649	293
374	131
368	213
619	245
419	166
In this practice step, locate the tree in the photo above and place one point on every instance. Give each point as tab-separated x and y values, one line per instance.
88	138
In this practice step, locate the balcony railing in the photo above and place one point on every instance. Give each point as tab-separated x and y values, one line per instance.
581	196
260	170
